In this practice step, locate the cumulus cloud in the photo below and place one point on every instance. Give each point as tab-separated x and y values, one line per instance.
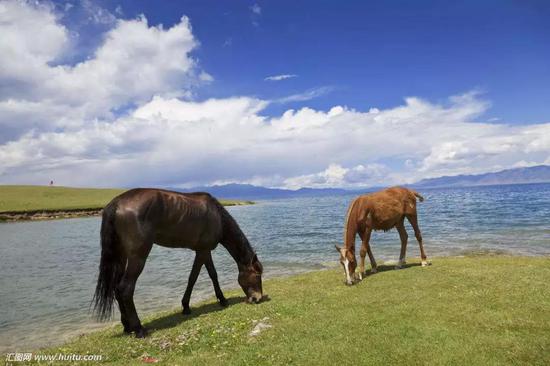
280	77
134	62
169	141
336	175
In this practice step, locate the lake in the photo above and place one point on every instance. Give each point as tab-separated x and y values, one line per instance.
48	269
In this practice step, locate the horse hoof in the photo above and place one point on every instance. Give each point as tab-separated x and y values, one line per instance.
223	302
186	311
426	263
141	333
400	264
373	271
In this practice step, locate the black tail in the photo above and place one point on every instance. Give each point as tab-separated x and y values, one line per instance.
111	266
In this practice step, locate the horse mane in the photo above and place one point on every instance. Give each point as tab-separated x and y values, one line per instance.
350	227
233	237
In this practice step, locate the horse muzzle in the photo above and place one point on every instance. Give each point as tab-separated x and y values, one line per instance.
254	298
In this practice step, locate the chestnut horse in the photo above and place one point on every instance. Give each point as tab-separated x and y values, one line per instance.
136	219
382	210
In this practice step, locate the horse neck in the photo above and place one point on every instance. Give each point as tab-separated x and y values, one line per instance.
350	229
234	240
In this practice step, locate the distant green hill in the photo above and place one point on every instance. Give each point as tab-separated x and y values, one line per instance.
20	198
36	198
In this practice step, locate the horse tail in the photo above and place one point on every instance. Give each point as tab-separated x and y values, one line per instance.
111	265
416	194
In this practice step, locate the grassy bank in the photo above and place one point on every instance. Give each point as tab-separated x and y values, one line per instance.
35	198
463	311
21	199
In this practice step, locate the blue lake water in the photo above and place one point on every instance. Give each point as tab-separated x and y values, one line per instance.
48	269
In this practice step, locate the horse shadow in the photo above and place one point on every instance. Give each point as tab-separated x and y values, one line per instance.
176	318
391	267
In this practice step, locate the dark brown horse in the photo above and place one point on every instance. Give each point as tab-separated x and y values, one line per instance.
382	210
136	219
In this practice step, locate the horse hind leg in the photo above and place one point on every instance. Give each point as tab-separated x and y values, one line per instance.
404	237
118	297
414	223
126	288
123	319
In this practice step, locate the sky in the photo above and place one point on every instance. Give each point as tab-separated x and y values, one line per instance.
275	93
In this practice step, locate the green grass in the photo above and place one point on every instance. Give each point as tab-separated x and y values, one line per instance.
19	198
489	310
33	198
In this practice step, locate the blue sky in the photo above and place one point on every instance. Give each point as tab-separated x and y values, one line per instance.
276	93
371	53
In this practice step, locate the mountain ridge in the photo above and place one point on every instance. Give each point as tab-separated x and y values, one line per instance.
535	174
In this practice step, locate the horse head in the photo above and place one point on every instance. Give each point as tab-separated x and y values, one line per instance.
250	279
347	260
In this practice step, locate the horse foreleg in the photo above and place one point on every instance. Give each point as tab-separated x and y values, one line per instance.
214	277
197	264
365	249
404	237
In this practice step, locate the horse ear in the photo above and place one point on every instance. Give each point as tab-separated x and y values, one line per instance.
338	249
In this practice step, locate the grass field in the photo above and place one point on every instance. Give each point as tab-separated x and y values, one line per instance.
35	198
459	311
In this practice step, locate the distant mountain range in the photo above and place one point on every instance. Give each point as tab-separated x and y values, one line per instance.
535	174
251	192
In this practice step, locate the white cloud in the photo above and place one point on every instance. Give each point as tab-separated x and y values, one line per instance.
280	77
256	9
97	14
305	96
256	12
168	141
337	176
228	42
31	37
134	62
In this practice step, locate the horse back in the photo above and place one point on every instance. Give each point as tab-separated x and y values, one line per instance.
388	207
167	218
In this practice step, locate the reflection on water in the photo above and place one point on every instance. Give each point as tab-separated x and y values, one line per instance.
48	268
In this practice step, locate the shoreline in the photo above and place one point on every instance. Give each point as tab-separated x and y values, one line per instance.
71	213
39	215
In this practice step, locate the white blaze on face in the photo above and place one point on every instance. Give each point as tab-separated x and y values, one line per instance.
346	268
